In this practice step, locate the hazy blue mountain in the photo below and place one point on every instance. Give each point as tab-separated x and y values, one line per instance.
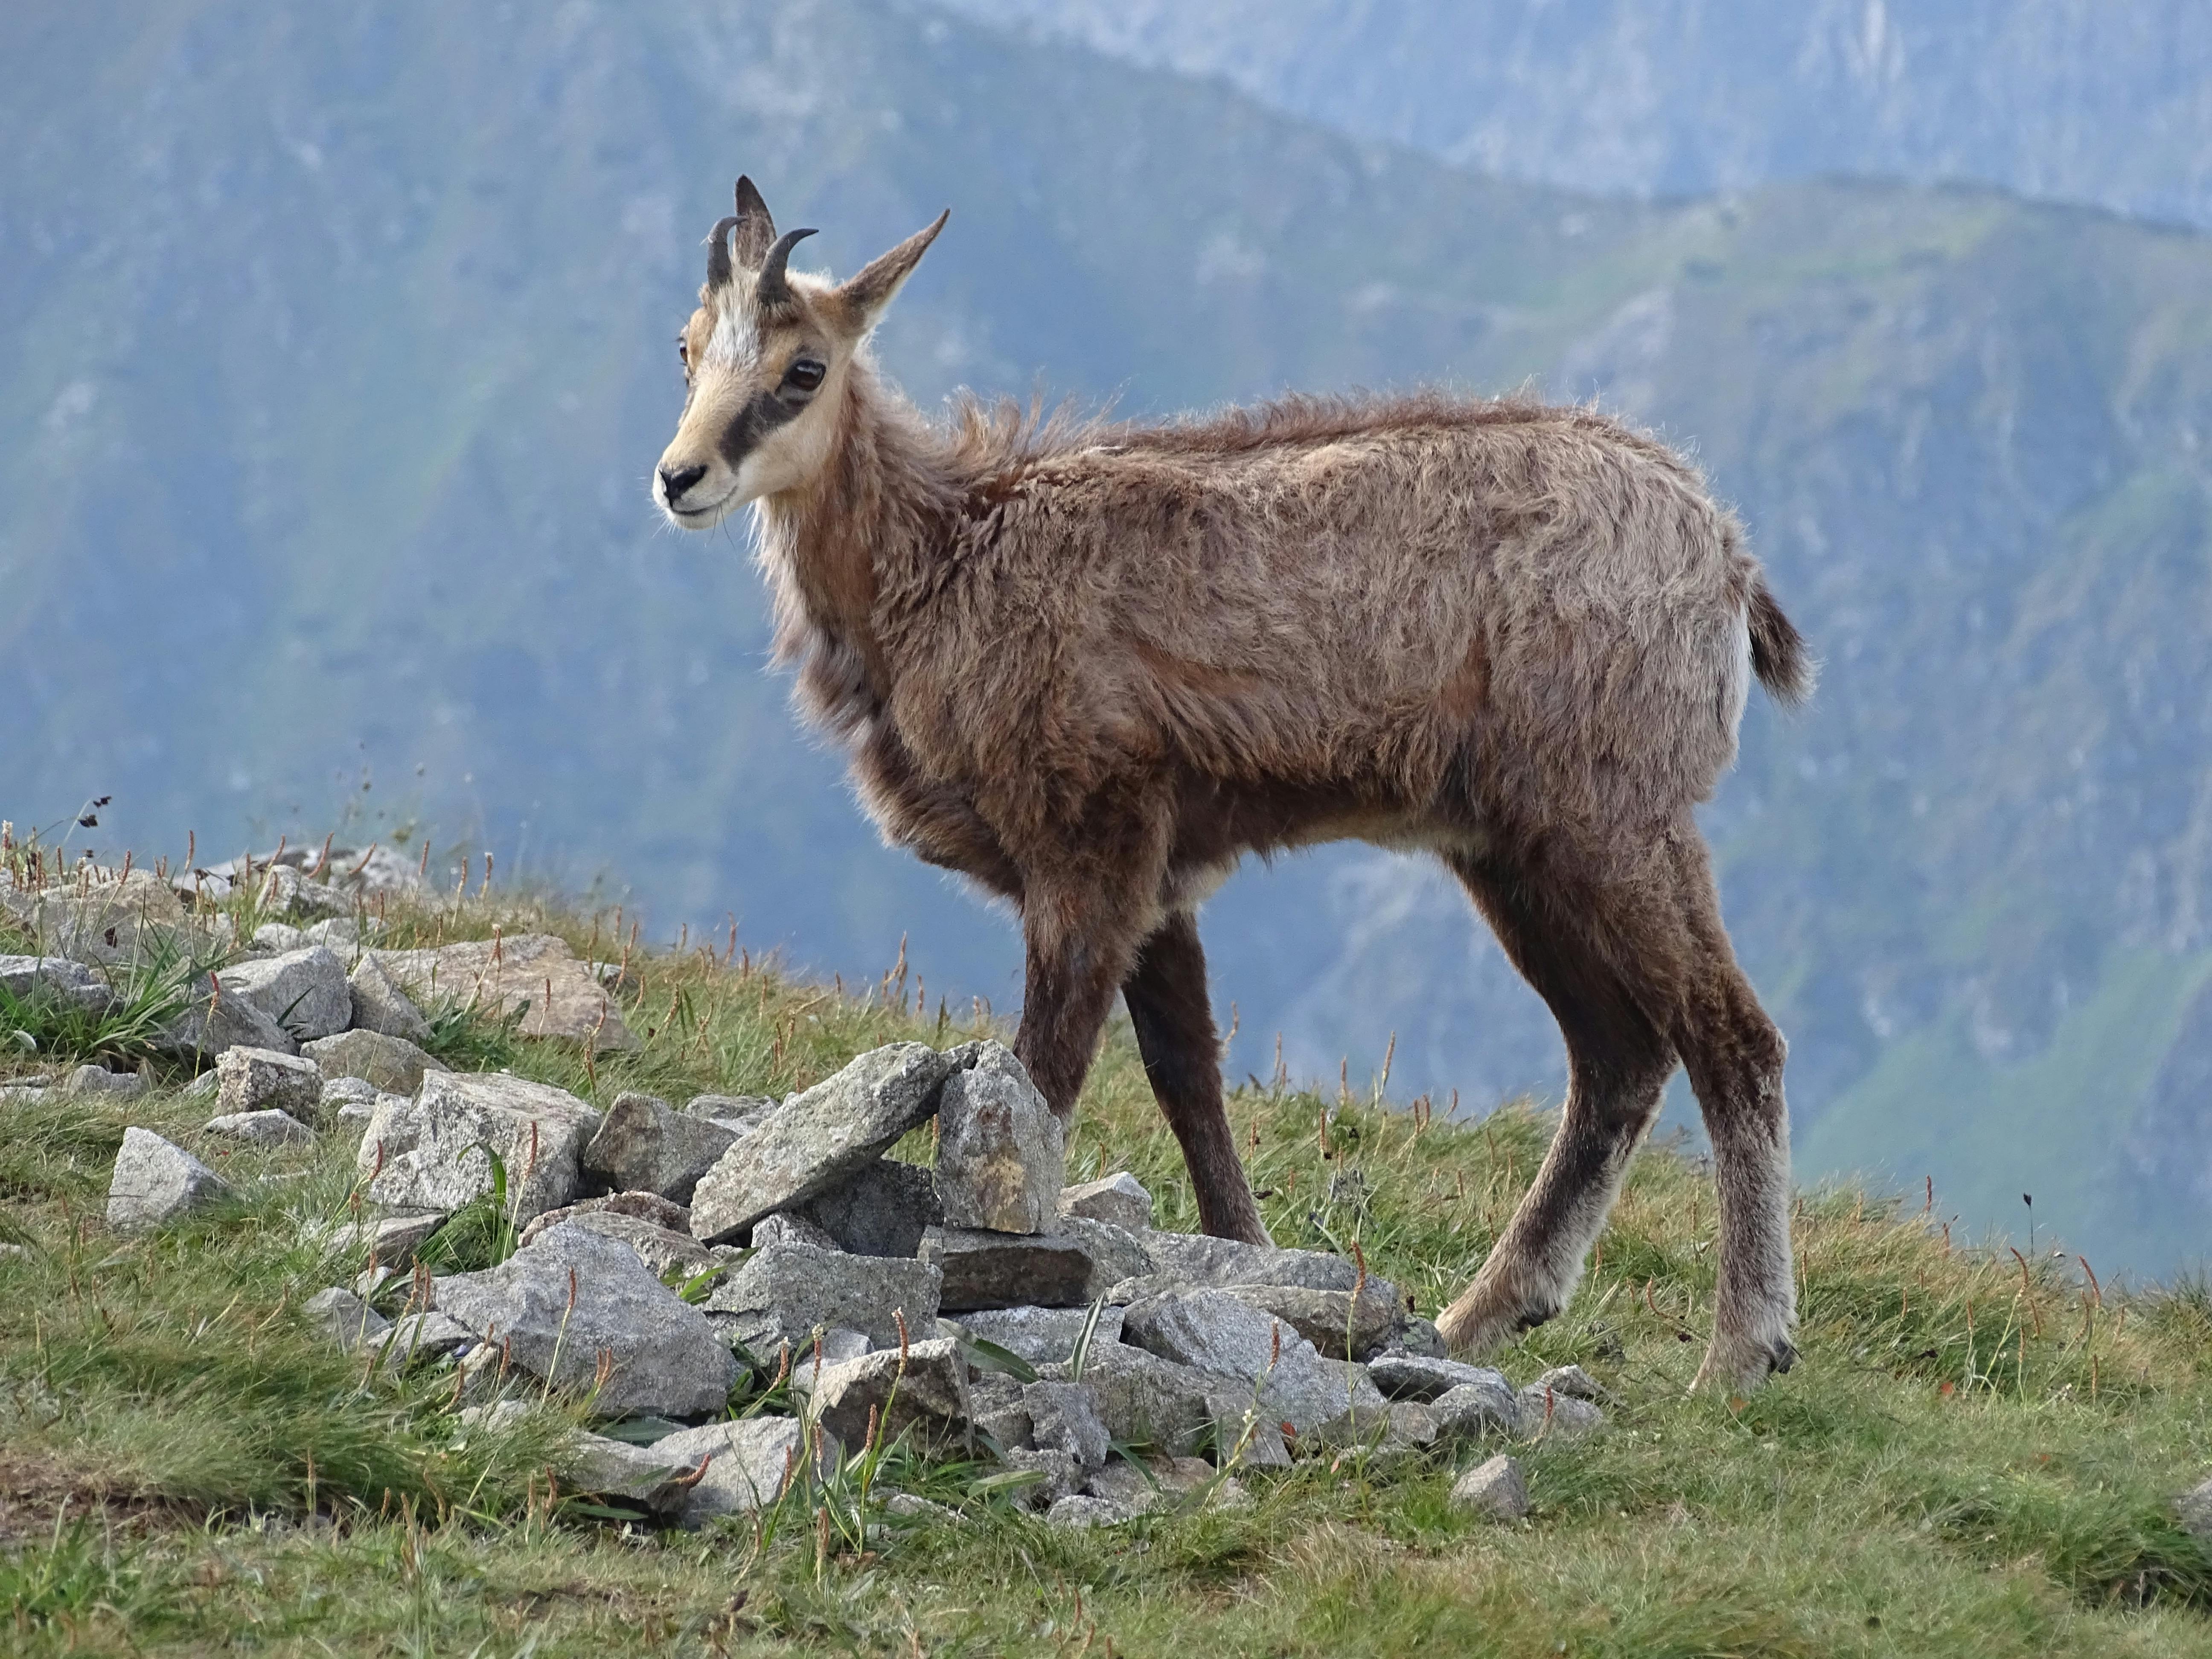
338	345
2103	102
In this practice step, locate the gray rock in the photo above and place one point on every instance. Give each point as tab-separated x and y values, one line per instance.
1068	1269
156	1183
1138	1487
1081	1511
1421	1337
2194	1509
98	1080
422	1337
1412	1377
393	1064
650	1207
380	1004
1547	1414
340	1092
882	1209
1064	1417
250	1080
786	1228
392	1239
47	980
614	1468
907	1506
304	991
1210	1330
748	1463
783	1291
1475	1409
570	1297
1001	1155
201	1088
535	977
1044	1336
1144	1400
1412	1424
269	1128
1058	1477
926	1395
1321	1316
995	1407
816	1138
1573	1382
100	919
662	1249
740	1114
429	1153
339	934
1495	1490
1196	1261
345	1318
276	937
1119	1199
216	1022
643	1147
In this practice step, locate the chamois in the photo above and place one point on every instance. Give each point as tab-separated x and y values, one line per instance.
1090	666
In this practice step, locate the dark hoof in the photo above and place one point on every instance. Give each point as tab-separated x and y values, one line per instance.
1528	1321
1782	1358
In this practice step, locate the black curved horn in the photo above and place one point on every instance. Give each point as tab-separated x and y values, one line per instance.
772	289
718	252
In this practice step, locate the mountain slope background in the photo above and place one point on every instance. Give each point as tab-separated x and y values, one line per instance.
339	346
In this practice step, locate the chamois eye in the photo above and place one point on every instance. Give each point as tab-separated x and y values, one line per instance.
805	375
683	353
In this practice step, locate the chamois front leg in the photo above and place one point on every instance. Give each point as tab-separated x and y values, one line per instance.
1168	1004
1079	947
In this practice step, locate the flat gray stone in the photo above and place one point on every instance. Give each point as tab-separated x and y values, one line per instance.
1058	1476
1324	1318
1071	1267
1421	1338
1119	1199
995	1407
304	992
250	1080
1144	1400
535	977
740	1114
345	1318
1547	1414
1412	1424
1495	1490
392	1239
882	1209
1001	1155
643	1147
394	1064
50	980
381	1005
1065	1416
1212	1331
783	1291
1080	1511
155	1183
1414	1376
927	1397
785	1227
649	1207
748	1463
614	1468
1197	1260
420	1338
819	1138
216	1022
572	1295
276	937
1044	1336
269	1128
1472	1410
662	1249
1572	1381
429	1153
88	1080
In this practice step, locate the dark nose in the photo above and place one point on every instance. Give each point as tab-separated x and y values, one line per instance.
673	484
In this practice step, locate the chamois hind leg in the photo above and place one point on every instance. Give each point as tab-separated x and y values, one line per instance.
1735	1057
1618	1063
1168	1004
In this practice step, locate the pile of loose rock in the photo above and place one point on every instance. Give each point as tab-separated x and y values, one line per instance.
982	1303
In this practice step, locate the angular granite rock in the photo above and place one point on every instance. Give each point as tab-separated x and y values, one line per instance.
99	919
790	1227
643	1147
1325	1317
429	1153
1001	1156
783	1291
1197	1260
649	1207
393	1064
269	1128
572	1295
1212	1331
215	1022
1471	1410
1496	1490
816	1138
1065	1416
747	1464
614	1468
1119	1198
1044	1336
345	1318
929	1398
1144	1400
380	1004
156	1183
662	1249
535	974
249	1079
304	991
1414	1376
1069	1267
88	1080
43	980
882	1209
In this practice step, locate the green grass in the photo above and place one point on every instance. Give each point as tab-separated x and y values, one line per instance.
1976	1456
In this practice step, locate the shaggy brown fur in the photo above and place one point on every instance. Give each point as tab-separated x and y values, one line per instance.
1092	666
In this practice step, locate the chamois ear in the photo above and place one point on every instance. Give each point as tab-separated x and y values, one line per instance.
756	230
869	290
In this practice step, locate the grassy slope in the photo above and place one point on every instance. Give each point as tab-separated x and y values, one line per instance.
1974	1457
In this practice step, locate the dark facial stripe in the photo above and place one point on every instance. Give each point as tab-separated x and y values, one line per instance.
759	418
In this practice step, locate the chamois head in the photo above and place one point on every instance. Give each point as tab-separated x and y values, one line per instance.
765	358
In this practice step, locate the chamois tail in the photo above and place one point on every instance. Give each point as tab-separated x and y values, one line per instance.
1778	655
